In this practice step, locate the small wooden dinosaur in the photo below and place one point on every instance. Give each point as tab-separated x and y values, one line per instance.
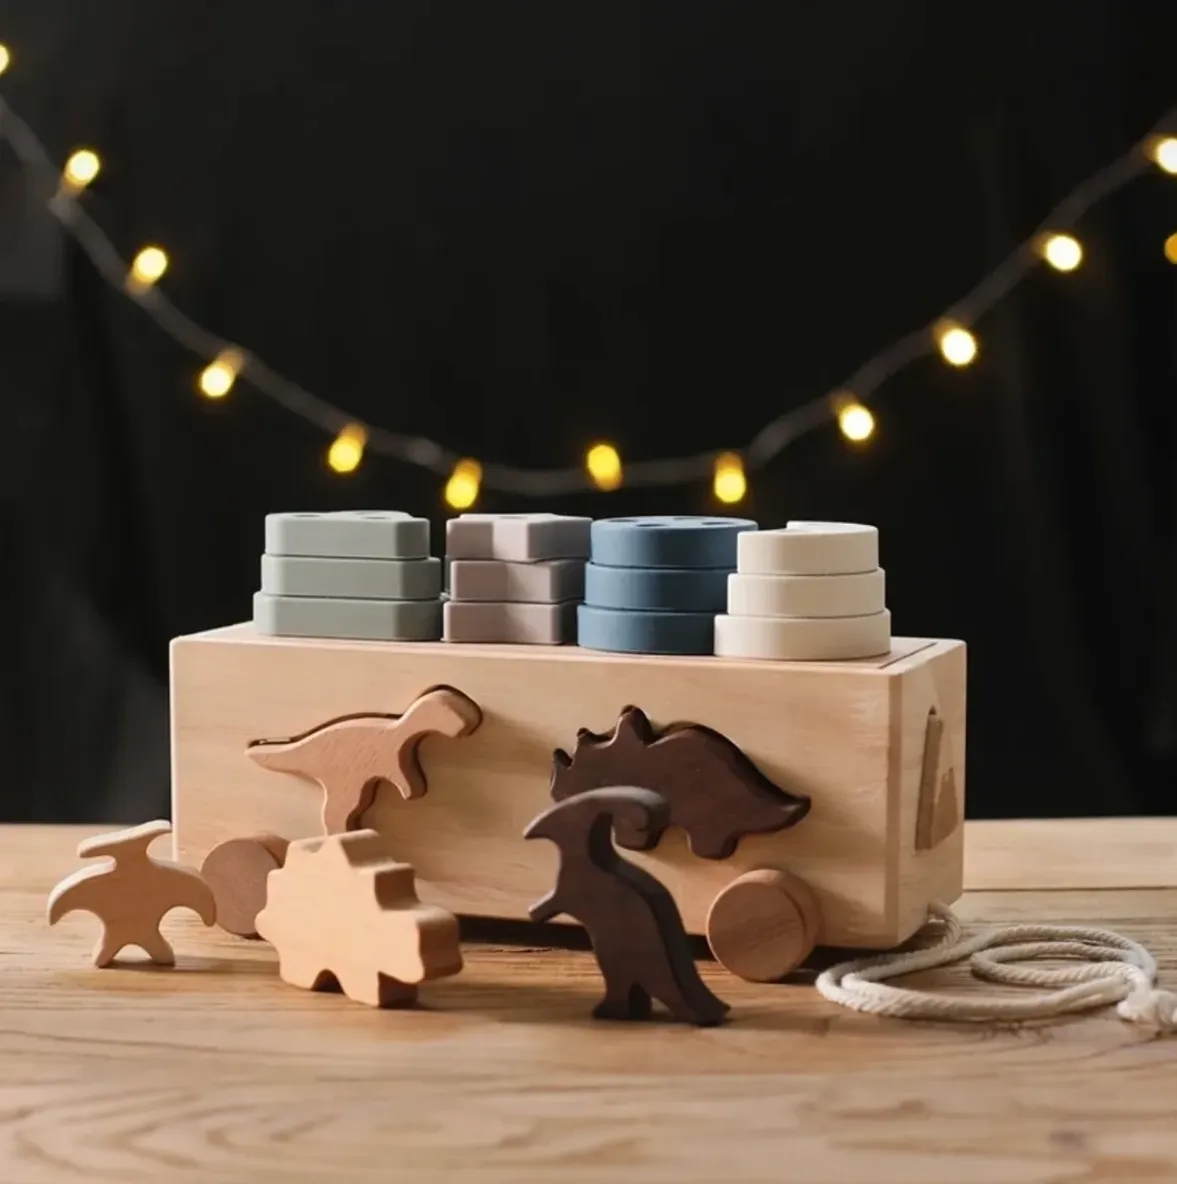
349	757
714	791
636	931
131	894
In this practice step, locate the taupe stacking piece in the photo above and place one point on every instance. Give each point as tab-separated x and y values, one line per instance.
514	578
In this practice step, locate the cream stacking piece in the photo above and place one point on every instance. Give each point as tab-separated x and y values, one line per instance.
810	592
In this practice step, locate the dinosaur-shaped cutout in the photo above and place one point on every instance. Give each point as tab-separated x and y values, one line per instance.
131	893
350	756
637	933
714	791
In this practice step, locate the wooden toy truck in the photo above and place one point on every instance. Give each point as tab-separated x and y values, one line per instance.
877	745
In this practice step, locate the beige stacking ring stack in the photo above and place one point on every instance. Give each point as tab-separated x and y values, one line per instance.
810	592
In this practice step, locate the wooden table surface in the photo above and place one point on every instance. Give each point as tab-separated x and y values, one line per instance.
217	1072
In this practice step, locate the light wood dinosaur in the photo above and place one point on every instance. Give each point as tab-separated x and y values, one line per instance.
349	757
131	894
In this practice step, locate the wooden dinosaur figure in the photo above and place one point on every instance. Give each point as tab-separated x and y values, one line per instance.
637	934
342	910
349	757
131	893
714	792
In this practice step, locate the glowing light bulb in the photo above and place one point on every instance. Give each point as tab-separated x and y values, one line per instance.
957	345
1171	248
1164	152
81	168
1063	252
604	466
347	449
5	57
729	483
855	420
461	490
148	266
217	378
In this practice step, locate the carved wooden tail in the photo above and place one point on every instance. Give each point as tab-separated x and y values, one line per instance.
300	755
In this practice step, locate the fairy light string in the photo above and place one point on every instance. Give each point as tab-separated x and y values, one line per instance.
953	335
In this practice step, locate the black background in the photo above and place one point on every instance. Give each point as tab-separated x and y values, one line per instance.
516	227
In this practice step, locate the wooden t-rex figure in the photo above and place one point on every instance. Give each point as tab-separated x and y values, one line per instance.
349	757
636	931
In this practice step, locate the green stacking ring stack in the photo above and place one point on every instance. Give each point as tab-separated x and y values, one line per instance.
360	574
655	585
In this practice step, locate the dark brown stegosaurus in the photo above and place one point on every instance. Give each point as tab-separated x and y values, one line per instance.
715	793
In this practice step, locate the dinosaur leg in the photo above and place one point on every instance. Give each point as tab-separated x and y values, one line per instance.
107	949
156	947
685	995
344	802
623	1001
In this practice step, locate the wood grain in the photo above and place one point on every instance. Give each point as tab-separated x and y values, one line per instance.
1042	853
855	848
216	1073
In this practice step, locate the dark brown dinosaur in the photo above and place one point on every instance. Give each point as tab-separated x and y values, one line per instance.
637	934
714	792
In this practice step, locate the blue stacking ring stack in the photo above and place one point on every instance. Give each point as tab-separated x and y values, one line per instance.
655	585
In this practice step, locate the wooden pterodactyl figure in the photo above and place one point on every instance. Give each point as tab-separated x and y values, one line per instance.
131	893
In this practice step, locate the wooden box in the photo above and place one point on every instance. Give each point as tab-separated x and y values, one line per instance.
878	744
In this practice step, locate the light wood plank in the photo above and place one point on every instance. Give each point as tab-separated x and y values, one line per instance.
1059	853
217	1072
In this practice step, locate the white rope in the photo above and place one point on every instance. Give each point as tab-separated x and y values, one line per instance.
1106	969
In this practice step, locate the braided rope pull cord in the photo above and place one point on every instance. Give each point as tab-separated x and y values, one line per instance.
1105	968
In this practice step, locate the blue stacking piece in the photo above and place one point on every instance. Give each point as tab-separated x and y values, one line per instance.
657	589
667	541
655	585
631	632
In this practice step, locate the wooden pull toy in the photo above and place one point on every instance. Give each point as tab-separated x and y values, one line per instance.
349	757
131	894
343	911
636	931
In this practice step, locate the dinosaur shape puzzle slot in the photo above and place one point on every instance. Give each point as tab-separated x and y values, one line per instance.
715	793
349	757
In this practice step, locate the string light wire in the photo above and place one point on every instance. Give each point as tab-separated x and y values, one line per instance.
1156	149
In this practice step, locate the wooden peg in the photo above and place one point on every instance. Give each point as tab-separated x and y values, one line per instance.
636	931
349	757
342	911
236	872
131	894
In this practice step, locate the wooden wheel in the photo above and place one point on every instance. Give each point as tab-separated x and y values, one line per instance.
763	925
236	873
